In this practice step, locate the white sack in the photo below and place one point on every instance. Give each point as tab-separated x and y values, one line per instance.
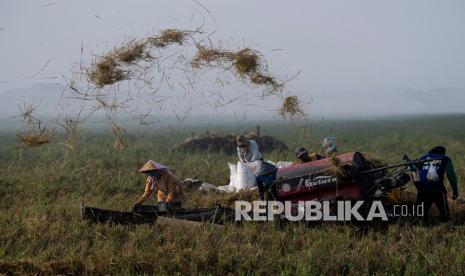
226	189
245	176
207	187
232	175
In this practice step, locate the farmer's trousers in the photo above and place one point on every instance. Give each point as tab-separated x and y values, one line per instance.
428	197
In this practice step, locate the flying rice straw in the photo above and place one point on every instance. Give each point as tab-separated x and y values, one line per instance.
115	66
105	72
70	125
209	57
291	108
133	60
120	139
36	135
245	63
169	37
26	112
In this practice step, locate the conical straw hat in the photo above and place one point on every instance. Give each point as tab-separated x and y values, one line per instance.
152	166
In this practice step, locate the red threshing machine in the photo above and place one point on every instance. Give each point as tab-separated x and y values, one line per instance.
353	178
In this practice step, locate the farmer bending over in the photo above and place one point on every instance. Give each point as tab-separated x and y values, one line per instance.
265	173
247	150
431	187
164	182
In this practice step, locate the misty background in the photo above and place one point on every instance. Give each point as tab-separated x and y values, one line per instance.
355	58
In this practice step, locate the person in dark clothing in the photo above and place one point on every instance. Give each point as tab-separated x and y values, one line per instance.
266	175
431	187
303	156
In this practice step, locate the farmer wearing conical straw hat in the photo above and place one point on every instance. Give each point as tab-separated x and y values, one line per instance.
161	179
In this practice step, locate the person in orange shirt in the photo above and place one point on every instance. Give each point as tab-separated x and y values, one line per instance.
160	179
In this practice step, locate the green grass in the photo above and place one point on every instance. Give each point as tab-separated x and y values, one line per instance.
41	232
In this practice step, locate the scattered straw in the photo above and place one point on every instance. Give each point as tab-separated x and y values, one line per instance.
168	37
106	71
246	61
210	56
244	195
120	139
112	67
34	136
336	167
26	112
70	125
133	59
115	65
131	52
261	79
291	108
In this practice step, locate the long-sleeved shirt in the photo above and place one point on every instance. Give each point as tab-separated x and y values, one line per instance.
450	172
250	153
168	187
442	164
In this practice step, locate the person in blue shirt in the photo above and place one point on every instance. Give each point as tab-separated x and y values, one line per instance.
431	187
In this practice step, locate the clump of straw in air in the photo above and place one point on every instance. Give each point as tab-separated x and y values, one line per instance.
244	63
106	71
133	51
168	37
261	79
36	135
291	108
113	66
208	57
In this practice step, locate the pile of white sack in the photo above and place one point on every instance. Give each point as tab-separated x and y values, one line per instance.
241	177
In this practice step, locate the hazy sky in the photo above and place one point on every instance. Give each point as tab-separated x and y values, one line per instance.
360	56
